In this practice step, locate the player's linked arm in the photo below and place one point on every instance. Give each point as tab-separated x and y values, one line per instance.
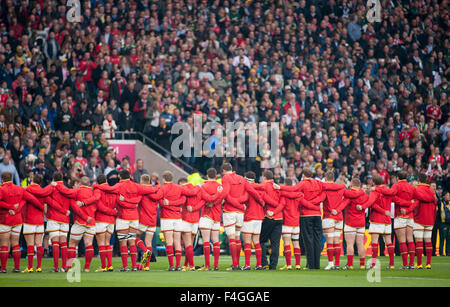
54	204
33	200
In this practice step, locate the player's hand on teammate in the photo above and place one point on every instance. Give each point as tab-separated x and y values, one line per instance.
68	213
121	198
89	219
219	189
403	211
11	212
166	202
359	207
53	183
189	208
79	203
269	213
16	206
334	212
387	212
276	186
45	208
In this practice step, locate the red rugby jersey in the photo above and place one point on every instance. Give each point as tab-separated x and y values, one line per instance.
424	207
58	205
106	205
173	193
402	194
271	197
86	195
234	186
379	204
34	215
148	207
304	206
11	194
212	210
354	217
333	198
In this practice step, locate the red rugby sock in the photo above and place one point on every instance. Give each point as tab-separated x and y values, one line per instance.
4	251
88	255
206	252
55	249
411	252
63	248
419	252
30	256
169	251
124	256
374	253
429	251
404	253
133	255
337	254
287	254
391	253
258	254
349	260
330	252
247	253
297	255
39	255
16	256
216	252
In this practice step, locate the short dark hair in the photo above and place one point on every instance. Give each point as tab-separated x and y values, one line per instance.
101	179
250	175
38	179
124	174
377	179
401	175
423	178
57	176
6	176
288	181
182	180
226	167
167	176
307	172
211	173
268	174
356	182
329	176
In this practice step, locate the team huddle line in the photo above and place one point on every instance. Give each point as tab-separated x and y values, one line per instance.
257	212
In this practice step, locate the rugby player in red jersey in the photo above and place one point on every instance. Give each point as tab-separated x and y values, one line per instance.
84	206
12	202
233	213
253	220
190	216
209	223
403	193
33	227
332	221
424	209
127	222
58	223
147	221
170	218
380	218
291	202
355	203
105	217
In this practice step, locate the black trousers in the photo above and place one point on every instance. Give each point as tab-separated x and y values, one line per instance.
311	232
270	230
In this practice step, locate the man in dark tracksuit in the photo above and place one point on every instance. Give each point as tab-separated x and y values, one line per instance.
271	226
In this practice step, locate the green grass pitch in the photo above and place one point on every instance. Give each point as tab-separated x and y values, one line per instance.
158	276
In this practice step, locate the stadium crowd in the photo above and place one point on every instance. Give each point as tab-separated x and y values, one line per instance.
351	96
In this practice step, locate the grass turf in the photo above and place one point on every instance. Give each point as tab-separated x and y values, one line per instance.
158	276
